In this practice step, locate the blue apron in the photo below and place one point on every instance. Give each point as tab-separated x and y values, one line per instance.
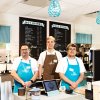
72	73
24	71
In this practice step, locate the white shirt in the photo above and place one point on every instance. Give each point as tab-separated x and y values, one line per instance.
43	55
63	64
19	59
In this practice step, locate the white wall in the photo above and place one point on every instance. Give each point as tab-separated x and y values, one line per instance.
88	25
82	25
13	21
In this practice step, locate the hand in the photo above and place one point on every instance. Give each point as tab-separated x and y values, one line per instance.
23	83
74	85
28	83
40	77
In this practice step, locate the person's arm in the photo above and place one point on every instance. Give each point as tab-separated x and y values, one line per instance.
63	77
75	84
17	78
80	78
32	80
40	64
14	69
35	76
59	56
34	67
40	71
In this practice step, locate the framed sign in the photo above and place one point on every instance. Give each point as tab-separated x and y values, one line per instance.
62	34
33	32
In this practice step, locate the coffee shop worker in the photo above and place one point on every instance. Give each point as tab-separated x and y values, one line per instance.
48	60
71	68
24	69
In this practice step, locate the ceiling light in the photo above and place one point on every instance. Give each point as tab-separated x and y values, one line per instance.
98	17
54	9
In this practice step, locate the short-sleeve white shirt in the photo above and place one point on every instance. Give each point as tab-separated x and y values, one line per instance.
63	64
43	55
33	62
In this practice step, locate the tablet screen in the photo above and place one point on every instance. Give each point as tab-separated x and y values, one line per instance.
50	85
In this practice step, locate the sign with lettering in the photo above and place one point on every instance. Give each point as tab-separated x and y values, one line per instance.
33	32
62	34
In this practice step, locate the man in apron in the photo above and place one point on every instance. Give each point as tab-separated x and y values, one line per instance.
24	69
48	60
71	69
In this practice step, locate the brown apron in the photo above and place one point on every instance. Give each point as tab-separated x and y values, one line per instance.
50	64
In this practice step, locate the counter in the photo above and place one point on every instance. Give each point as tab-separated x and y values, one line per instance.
6	77
96	90
61	96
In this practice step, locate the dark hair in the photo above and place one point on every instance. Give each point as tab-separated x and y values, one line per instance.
71	45
24	44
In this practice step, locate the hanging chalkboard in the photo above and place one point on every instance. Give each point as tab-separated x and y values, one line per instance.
33	32
62	34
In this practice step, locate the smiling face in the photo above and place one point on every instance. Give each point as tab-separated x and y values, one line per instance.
24	51
50	42
71	50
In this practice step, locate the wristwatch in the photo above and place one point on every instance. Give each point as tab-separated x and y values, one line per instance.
32	81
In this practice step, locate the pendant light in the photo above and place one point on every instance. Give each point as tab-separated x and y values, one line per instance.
54	9
98	17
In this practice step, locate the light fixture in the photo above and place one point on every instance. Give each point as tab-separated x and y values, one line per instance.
54	9
98	17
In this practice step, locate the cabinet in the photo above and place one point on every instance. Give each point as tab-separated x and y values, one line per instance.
96	64
96	90
7	77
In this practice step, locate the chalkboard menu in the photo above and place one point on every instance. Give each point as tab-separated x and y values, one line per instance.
62	34
33	32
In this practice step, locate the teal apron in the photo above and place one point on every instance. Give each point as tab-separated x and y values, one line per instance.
72	73
24	71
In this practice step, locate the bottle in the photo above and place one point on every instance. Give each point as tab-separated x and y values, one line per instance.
89	82
86	59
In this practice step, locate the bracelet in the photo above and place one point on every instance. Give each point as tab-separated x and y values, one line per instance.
32	81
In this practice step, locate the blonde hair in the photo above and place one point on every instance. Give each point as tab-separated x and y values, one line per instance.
51	37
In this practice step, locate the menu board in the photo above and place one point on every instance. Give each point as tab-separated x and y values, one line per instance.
62	34
33	32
